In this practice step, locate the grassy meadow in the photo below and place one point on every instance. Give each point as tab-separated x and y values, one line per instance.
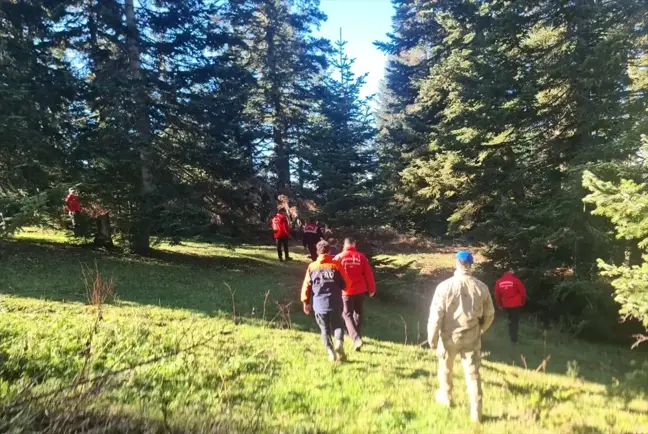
209	338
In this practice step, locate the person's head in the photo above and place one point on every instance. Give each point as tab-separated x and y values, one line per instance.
323	247
72	190
350	242
281	211
510	270
312	220
464	260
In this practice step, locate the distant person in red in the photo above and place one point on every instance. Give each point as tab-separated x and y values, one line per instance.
510	295
72	206
312	235
356	265
281	231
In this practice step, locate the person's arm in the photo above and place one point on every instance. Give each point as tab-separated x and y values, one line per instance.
498	296
368	274
346	280
522	291
489	311
437	312
306	292
320	235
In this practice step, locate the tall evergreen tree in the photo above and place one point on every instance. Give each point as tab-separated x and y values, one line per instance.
340	140
36	90
520	99
193	94
286	59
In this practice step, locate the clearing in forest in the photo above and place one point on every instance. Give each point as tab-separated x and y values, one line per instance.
202	337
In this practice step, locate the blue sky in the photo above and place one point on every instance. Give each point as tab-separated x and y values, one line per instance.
362	23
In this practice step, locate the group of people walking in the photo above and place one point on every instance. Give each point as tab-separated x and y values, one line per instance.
334	288
462	309
312	234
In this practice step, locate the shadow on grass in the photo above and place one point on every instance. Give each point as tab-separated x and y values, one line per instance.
540	351
52	271
47	419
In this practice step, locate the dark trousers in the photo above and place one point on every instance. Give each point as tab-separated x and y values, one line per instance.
513	322
312	249
353	306
330	324
282	242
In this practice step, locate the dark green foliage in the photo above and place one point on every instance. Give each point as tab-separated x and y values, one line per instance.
338	151
174	117
491	116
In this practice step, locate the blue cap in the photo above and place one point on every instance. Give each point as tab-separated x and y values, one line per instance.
465	256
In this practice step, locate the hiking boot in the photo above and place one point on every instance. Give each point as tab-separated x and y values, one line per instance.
443	399
357	344
339	350
331	355
288	259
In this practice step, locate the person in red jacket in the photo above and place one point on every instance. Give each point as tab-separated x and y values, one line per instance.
73	206
312	235
510	295
356	265
281	232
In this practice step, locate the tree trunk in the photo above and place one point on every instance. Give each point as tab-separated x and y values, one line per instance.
103	236
282	152
141	229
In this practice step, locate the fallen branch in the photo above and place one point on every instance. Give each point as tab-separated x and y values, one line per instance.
265	302
524	362
543	364
232	292
639	339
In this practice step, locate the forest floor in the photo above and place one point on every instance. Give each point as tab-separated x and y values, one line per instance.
194	340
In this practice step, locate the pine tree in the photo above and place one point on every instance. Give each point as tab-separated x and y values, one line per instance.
189	92
36	89
522	97
340	141
403	130
286	59
625	204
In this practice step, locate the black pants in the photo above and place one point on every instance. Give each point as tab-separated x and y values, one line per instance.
330	324
513	323
282	242
352	314
312	249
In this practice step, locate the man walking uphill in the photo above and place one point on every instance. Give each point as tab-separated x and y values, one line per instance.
323	284
462	310
281	233
312	235
510	295
359	271
73	207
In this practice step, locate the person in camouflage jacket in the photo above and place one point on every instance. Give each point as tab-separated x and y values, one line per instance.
461	311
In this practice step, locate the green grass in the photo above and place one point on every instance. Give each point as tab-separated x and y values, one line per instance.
255	375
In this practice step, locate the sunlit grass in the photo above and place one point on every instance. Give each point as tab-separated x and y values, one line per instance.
254	375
